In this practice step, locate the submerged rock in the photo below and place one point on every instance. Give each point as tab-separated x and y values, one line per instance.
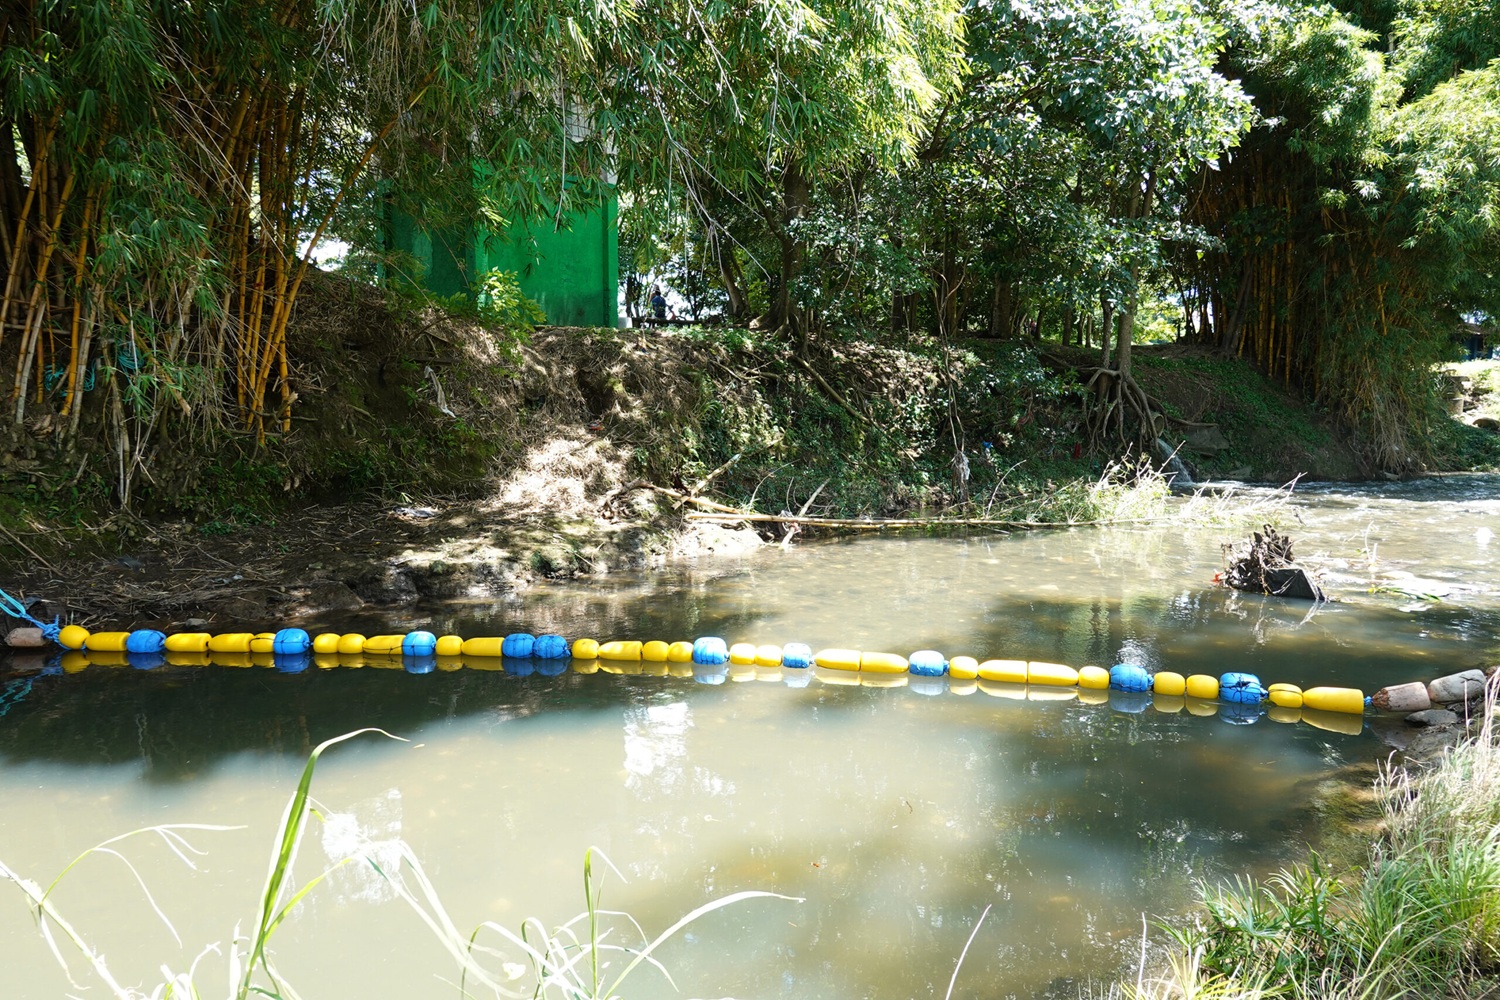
1432	718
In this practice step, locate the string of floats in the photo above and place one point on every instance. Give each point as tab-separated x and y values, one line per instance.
293	649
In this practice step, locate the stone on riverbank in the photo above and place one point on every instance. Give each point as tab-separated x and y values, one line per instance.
1461	686
1432	718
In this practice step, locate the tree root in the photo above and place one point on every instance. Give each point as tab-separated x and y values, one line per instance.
1117	409
832	393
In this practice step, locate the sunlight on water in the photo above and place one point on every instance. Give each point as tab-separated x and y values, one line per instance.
897	815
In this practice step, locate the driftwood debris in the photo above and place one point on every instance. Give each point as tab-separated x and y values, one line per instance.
710	511
1267	566
879	523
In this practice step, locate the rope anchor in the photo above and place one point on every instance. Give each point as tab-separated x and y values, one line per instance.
16	609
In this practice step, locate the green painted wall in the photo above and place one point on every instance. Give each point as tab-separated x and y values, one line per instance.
573	272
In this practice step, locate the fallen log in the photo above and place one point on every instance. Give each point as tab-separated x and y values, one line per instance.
879	523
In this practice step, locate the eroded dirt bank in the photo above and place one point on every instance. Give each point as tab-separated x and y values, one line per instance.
431	458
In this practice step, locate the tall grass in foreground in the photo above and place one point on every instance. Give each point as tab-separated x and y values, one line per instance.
1420	920
576	961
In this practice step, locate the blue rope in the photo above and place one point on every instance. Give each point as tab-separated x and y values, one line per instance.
16	609
13	692
53	376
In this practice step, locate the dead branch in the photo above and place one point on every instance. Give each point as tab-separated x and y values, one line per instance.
880	523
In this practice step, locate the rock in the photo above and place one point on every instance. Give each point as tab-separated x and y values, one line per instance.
1428	746
1411	697
1205	440
1432	717
27	638
1487	423
1456	687
332	596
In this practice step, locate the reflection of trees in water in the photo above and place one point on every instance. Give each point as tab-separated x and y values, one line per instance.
178	722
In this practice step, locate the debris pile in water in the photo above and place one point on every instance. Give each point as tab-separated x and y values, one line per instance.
1267	566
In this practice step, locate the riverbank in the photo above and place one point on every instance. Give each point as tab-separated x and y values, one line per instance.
436	458
1418	916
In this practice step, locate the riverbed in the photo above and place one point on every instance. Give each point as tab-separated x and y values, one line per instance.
897	814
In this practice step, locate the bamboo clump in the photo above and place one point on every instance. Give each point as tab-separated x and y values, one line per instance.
156	219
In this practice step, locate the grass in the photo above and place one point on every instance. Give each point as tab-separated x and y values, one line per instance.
1420	919
589	957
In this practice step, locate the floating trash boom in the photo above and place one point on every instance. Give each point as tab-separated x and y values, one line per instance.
1241	696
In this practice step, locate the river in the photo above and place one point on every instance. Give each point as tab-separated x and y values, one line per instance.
898	815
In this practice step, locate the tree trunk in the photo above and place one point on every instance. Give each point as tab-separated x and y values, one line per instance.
1229	340
729	274
794	199
1127	330
1106	324
1001	307
1140	207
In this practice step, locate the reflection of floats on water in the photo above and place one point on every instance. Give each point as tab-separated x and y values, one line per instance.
1124	702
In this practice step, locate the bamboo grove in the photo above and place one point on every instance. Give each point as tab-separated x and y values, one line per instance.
174	166
1311	187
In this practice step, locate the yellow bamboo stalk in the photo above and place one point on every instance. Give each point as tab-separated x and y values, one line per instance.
80	257
283	305
18	249
38	305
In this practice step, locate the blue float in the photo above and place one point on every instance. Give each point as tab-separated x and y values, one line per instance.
1241	689
145	641
419	644
518	644
291	641
711	651
797	654
1129	677
551	647
927	663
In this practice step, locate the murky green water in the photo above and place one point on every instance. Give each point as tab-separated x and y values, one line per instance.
899	814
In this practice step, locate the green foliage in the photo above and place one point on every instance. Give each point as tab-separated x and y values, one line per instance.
233	493
896	446
502	303
1421	919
